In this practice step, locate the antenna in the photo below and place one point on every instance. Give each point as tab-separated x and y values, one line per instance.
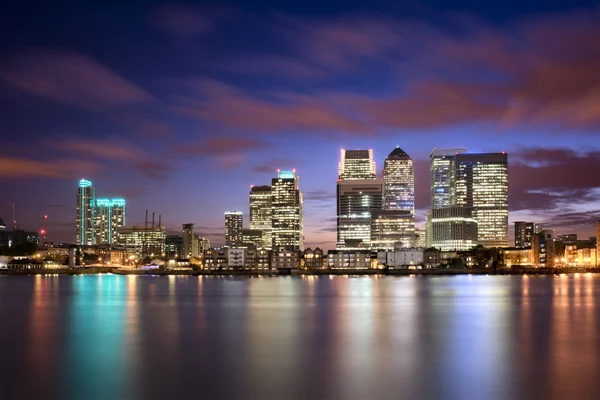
159	218
14	219
146	220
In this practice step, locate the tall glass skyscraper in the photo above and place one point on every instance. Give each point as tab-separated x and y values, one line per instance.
86	206
480	181
261	217
109	215
439	169
358	194
234	224
399	182
287	212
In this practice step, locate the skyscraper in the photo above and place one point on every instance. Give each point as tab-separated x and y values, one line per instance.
392	228
86	206
358	194
190	241
452	228
109	215
287	211
480	181
439	169
261	212
356	165
234	224
524	232
399	182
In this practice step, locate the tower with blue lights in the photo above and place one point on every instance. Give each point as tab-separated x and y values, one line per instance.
86	207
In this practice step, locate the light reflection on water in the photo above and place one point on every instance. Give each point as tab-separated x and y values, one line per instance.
464	337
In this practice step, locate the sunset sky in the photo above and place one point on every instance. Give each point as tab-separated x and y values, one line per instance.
180	107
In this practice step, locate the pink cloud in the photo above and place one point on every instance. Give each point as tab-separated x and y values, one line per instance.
71	78
19	167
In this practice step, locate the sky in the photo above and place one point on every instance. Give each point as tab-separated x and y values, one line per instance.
180	107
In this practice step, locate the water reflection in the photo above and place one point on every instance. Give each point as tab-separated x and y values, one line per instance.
320	337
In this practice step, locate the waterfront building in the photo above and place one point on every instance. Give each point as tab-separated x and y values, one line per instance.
399	182
174	247
261	212
190	242
567	239
392	228
287	212
235	258
234	224
524	232
544	245
215	259
286	259
356	165
480	181
109	215
18	237
85	211
521	256
144	241
439	172
313	259
349	259
452	228
253	238
401	258
257	259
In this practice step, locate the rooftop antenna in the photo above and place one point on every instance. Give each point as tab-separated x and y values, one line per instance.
146	220
159	218
152	220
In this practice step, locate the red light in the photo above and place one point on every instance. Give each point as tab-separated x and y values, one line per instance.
45	217
43	231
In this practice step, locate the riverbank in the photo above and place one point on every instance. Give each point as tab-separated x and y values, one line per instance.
380	272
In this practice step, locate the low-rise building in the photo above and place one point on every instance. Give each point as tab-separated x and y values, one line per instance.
215	259
349	259
258	259
513	256
236	258
432	258
288	259
313	259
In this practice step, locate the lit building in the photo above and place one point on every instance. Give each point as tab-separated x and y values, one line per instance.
2	225
519	256
203	245
480	181
349	259
109	215
286	259
403	258
391	228
356	165
570	238
145	241
86	206
356	201
452	228
257	259
313	259
524	232
420	238
252	238
215	259
544	247
439	170
287	212
190	242
174	247
399	182
261	212
235	258
234	222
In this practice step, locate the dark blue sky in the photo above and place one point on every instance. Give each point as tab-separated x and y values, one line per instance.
180	107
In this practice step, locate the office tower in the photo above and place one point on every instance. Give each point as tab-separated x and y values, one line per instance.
399	182
234	221
358	193
356	165
174	247
452	229
203	244
524	232
253	238
480	181
145	241
439	170
391	229
190	241
86	206
287	212
261	212
109	215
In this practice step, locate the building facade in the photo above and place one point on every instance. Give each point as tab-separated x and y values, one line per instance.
313	259
452	228
287	259
356	201
349	259
190	241
287	212
261	212
253	238
174	247
392	228
144	241
480	181
356	165
86	207
399	182
234	225
439	175
109	215
524	232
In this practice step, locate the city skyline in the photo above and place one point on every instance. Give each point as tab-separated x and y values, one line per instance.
196	103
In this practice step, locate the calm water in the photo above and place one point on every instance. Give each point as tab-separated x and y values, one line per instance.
479	337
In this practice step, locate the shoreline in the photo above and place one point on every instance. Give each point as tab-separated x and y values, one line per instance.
370	272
